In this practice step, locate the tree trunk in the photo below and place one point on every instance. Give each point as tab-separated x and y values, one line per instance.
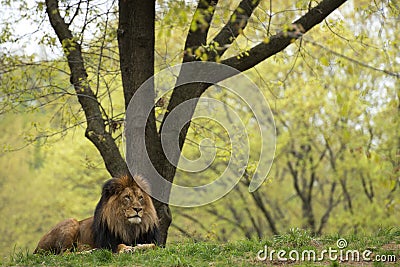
136	34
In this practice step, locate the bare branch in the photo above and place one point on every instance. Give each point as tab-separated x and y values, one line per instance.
355	61
95	130
281	40
331	205
181	230
235	26
258	199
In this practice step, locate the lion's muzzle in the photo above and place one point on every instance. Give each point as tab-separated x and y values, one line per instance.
135	219
135	215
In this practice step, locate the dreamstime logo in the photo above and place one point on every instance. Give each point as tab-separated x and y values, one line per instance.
191	76
341	243
340	254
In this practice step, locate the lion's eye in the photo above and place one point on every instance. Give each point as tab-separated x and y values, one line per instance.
127	198
141	199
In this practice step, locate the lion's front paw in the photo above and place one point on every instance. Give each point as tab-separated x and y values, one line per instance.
122	248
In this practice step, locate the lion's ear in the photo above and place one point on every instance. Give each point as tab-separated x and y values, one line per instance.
110	188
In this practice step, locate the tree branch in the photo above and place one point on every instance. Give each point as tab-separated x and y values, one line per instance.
95	131
221	217
235	26
353	60
331	205
199	27
281	40
368	189
181	230
258	199
255	225
257	54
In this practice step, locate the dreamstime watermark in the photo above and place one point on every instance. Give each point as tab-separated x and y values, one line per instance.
339	253
249	99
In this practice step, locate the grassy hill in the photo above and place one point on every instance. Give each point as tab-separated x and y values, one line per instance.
380	249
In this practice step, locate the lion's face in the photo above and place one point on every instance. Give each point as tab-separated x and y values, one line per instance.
127	210
133	204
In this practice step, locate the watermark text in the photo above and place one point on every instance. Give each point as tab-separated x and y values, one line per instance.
338	253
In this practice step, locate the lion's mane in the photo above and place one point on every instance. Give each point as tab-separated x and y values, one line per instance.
110	228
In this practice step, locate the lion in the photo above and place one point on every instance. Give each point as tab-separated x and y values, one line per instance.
124	219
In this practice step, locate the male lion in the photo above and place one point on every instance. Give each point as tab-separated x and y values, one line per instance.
124	217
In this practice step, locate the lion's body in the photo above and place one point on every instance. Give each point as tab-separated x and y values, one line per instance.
124	215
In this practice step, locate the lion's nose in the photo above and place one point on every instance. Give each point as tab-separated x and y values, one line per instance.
137	209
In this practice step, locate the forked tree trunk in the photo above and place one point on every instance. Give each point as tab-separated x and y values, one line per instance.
136	31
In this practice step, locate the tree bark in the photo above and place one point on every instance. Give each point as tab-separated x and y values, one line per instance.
197	35
136	41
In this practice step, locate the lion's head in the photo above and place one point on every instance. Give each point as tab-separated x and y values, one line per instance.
125	214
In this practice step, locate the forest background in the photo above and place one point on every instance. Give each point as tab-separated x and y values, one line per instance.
334	93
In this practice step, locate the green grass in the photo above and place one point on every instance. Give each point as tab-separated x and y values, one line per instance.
238	253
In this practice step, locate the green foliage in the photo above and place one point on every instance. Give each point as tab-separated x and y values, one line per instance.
39	187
